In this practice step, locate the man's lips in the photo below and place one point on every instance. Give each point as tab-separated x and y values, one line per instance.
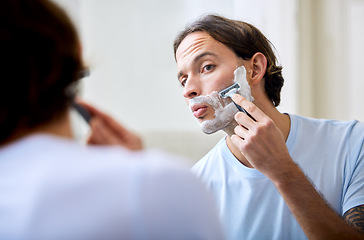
199	110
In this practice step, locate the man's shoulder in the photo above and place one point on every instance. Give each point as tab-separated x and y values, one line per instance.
326	137
325	122
61	157
327	127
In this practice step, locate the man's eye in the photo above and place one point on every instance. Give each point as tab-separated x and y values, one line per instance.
209	67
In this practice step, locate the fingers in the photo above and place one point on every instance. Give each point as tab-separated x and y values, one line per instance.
102	134
92	110
238	141
250	107
107	131
107	119
114	125
241	131
248	126
244	120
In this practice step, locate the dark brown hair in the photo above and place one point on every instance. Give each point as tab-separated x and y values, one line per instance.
39	61
244	40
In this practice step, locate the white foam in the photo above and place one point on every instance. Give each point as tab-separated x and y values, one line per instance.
223	114
224	108
240	77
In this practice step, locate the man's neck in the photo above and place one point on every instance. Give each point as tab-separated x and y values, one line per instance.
60	127
282	121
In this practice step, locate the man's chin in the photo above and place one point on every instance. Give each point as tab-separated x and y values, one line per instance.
213	126
209	131
210	126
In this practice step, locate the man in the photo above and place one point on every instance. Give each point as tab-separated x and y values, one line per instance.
274	176
50	187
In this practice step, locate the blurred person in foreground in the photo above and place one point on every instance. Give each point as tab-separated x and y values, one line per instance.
52	188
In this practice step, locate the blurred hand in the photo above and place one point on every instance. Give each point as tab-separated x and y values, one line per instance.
106	131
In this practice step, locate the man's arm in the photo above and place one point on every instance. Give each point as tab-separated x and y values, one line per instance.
263	145
355	218
314	215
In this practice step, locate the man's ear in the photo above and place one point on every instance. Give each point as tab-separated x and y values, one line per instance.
257	67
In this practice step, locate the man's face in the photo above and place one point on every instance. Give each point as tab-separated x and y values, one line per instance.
205	67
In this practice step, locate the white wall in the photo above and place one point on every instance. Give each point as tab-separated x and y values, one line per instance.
128	45
277	19
331	57
354	41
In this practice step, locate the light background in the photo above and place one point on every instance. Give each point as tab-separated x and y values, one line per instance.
128	47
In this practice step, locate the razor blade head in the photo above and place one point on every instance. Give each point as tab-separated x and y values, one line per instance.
229	91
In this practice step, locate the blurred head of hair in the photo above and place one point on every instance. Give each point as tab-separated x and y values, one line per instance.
40	61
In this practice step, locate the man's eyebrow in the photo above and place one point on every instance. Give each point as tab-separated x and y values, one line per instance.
197	58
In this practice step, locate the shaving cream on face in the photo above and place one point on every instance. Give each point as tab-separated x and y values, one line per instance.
240	77
224	108
223	116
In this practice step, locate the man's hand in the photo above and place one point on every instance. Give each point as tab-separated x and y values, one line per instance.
263	145
106	131
260	141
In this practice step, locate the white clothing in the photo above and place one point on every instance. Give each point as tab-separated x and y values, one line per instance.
51	188
329	152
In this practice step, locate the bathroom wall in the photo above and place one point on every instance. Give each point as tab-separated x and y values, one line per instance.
331	51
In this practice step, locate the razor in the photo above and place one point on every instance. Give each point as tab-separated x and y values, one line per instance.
229	92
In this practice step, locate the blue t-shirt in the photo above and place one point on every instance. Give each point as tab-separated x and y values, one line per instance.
329	152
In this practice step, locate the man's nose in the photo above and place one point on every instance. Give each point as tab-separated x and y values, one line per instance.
192	88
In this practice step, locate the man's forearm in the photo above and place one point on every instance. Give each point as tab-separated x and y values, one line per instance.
316	218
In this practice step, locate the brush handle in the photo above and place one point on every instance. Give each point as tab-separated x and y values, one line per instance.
244	111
